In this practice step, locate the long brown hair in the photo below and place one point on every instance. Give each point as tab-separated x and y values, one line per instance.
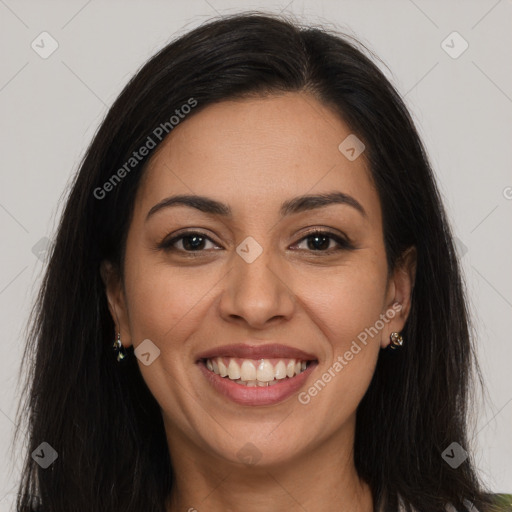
101	418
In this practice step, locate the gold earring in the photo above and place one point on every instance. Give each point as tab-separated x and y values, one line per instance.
118	348
396	340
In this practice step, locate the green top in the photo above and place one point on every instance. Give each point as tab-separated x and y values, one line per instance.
500	503
504	502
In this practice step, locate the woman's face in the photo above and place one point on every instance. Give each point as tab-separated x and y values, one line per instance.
252	292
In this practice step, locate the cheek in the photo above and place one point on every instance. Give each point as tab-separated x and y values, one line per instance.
341	302
345	306
166	305
344	301
162	299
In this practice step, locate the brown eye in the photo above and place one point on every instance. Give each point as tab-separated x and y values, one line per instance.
324	241
190	241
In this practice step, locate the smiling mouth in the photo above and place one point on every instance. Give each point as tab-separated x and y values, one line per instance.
257	372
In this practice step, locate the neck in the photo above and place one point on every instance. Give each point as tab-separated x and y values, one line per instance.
321	479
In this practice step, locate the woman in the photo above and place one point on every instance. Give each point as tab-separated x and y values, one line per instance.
256	231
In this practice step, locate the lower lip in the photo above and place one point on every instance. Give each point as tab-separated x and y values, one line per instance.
268	395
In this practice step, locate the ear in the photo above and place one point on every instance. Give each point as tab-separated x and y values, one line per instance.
399	293
116	300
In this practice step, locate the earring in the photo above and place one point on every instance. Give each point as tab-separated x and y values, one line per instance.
118	348
396	340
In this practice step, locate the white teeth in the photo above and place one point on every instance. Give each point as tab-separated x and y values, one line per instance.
255	373
248	371
290	368
265	371
280	370
223	371
233	370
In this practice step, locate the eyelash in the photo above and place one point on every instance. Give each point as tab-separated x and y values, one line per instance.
343	244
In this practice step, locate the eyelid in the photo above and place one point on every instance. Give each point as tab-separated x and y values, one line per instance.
343	241
168	241
340	238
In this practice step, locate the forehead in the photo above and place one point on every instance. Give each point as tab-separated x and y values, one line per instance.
258	151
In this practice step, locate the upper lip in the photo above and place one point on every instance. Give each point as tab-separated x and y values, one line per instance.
249	351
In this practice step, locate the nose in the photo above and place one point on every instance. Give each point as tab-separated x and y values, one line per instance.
256	294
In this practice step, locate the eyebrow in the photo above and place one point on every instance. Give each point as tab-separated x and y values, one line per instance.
290	207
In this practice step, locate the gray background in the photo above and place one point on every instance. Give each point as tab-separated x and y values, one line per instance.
51	107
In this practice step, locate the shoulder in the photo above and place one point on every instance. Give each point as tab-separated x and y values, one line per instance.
501	502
